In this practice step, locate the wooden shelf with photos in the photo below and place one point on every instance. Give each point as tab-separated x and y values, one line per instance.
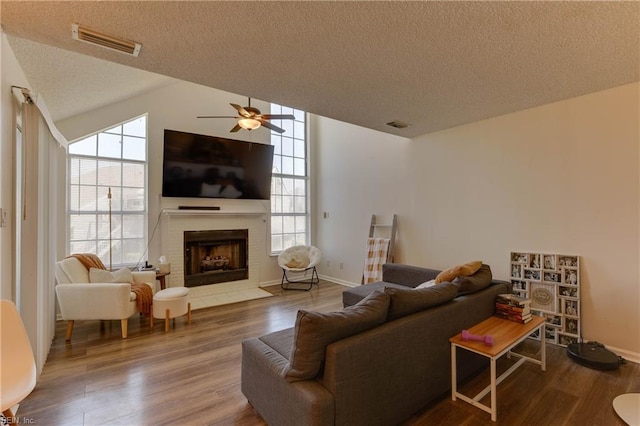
552	282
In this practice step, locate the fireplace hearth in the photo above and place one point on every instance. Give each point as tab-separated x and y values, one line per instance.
215	256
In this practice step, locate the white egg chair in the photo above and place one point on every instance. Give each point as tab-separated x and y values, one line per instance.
299	260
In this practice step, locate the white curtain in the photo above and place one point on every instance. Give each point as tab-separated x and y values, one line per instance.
37	233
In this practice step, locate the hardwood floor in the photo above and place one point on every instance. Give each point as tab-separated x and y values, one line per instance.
191	375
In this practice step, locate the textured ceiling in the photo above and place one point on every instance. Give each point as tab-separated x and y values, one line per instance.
433	65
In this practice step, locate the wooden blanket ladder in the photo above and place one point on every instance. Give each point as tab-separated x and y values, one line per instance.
382	230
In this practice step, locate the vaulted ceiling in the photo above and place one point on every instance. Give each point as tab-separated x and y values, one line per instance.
431	64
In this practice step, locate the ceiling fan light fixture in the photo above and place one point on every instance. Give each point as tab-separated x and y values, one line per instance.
249	123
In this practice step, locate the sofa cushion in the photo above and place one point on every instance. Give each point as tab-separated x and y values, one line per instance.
407	275
409	301
479	280
426	284
103	276
280	341
356	294
458	270
315	330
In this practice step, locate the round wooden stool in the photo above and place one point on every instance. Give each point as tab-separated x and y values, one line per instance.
171	303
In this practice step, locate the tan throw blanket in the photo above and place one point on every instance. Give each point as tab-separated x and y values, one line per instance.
89	260
377	250
144	297
143	292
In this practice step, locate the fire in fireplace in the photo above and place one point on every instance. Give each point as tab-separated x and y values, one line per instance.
216	256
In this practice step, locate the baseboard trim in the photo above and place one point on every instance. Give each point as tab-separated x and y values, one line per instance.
269	283
338	281
322	277
627	355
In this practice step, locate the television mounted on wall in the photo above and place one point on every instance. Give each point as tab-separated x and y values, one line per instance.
200	166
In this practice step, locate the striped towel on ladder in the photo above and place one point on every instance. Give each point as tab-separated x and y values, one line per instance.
377	250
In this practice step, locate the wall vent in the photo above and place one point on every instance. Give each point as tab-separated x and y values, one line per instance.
107	41
398	124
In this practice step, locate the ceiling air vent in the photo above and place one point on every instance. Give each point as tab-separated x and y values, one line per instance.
110	42
398	124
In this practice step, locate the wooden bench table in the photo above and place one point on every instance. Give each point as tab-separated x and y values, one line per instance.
506	335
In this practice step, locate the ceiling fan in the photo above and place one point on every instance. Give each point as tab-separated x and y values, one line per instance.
250	118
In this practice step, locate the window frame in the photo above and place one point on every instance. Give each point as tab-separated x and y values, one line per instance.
302	119
100	210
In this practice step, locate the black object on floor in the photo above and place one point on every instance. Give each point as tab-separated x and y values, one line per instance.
594	355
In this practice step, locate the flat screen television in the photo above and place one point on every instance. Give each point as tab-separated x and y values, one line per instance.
201	166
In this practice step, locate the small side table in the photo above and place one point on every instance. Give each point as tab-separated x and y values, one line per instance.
506	335
160	277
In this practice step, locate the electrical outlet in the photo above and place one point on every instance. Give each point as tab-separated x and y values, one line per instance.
3	217
328	263
341	265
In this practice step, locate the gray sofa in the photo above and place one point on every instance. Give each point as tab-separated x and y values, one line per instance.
380	376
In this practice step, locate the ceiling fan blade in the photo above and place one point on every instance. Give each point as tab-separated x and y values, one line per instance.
243	112
271	126
216	116
278	117
235	128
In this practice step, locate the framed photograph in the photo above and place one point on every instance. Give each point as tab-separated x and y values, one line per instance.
519	257
570	307
552	277
571	326
549	261
553	319
571	261
552	283
535	335
568	292
532	274
534	261
570	276
519	285
516	271
566	340
544	298
551	334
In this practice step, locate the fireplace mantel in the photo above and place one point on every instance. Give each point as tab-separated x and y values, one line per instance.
187	212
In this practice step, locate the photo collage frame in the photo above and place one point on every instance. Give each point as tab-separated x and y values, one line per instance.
552	282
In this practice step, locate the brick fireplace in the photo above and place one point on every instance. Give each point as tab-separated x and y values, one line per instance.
183	227
215	256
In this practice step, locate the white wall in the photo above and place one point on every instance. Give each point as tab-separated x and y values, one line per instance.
357	172
175	107
560	178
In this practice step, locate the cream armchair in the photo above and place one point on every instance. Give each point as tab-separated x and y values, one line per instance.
80	299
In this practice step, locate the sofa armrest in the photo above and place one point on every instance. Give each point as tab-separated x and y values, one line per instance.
279	402
95	301
408	275
148	277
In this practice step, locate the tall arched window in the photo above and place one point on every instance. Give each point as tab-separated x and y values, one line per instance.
107	194
290	181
